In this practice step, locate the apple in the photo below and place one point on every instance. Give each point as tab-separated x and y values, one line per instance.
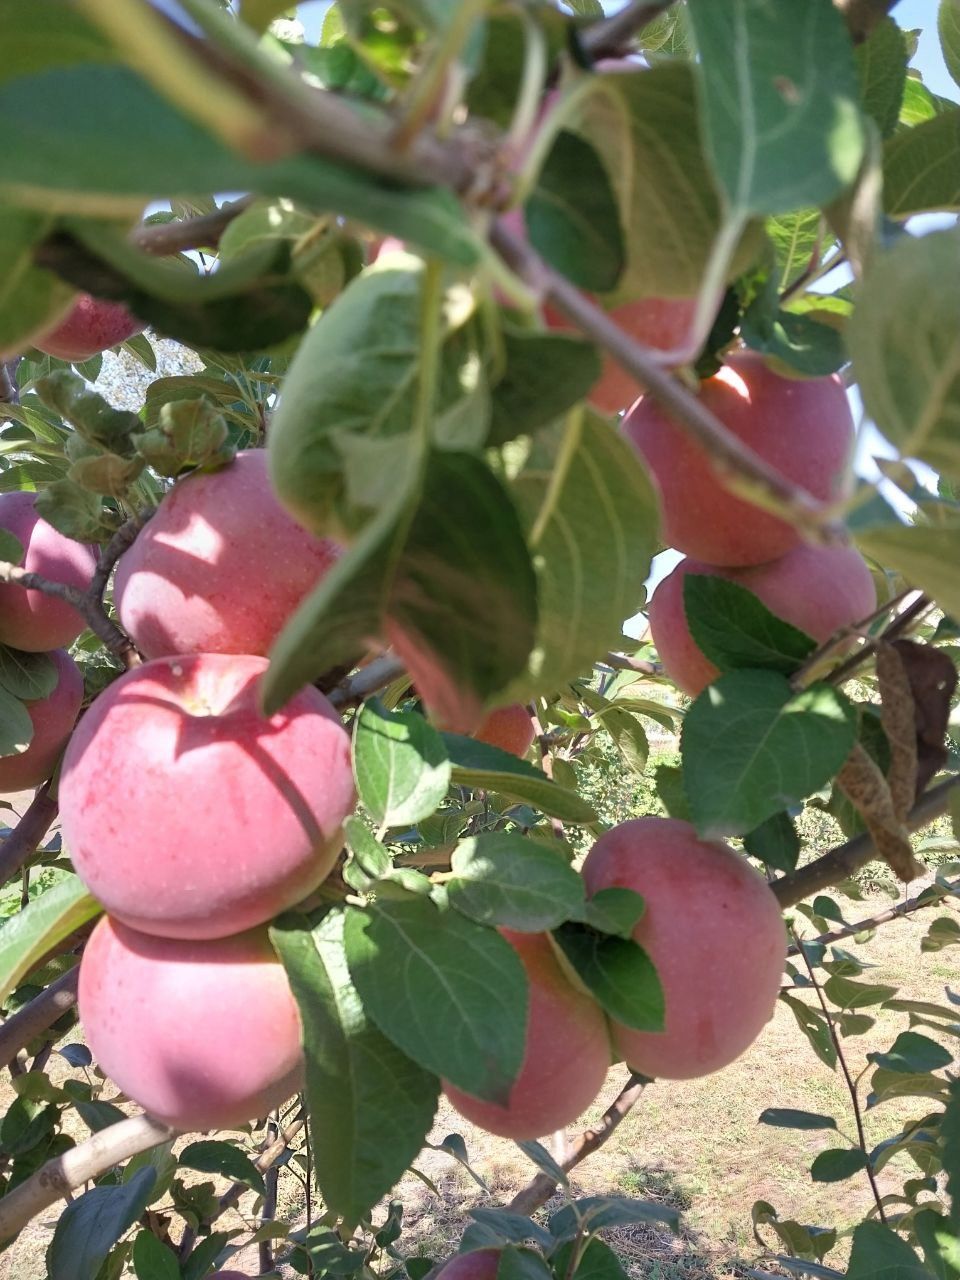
509	728
566	1057
220	567
659	323
818	589
189	814
30	620
475	1264
801	428
713	930
202	1035
53	719
90	326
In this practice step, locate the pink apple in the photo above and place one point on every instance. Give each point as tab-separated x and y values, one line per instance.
53	719
802	428
90	326
714	932
189	814
566	1058
509	728
220	567
818	589
202	1035
31	620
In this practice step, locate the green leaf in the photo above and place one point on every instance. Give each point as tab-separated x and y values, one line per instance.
912	1052
950	1134
618	974
814	1026
400	765
645	127
222	1158
601	1213
591	518
450	993
888	1085
943	932
921	167
668	781
778	102
11	548
775	842
847	994
948	25
799	341
505	879
788	1118
904	339
837	1164
75	512
26	937
153	1260
16	727
92	1224
596	1262
371	1103
882	68
778	748
926	554
613	910
544	1161
938	1243
880	1254
544	375
477	764
572	219
462	611
735	629
203	1256
31	299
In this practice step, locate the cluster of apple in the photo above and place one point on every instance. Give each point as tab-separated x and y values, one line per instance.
193	818
804	430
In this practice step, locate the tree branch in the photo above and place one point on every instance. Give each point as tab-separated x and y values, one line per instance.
541	1188
204	232
81	1164
38	1016
624	662
89	608
9	391
842	862
737	467
21	844
375	675
905	908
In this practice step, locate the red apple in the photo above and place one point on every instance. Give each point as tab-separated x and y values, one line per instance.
476	1264
202	1035
220	567
802	428
189	814
53	719
818	589
509	728
566	1058
31	620
714	931
90	326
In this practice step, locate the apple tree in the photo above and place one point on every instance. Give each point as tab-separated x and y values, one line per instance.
307	658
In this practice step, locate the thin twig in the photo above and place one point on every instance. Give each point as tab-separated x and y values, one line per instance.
9	391
121	541
905	908
38	1016
162	238
376	675
269	1211
22	842
89	609
58	1177
843	637
624	662
539	1190
737	467
612	35
842	862
851	1085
